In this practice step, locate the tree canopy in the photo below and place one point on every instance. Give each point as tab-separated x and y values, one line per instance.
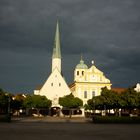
69	101
4	101
128	99
17	101
36	101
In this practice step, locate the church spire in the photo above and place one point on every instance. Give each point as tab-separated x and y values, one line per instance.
56	49
56	57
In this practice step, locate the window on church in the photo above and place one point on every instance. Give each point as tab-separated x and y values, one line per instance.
77	72
85	94
51	84
93	94
59	84
82	72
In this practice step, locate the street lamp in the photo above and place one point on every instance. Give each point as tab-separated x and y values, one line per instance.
8	103
9	100
8	108
93	107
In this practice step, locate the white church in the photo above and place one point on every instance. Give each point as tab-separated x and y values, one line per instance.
87	81
55	86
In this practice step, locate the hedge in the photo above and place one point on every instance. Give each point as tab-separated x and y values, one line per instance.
114	119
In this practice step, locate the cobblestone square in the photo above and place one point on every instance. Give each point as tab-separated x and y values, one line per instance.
65	129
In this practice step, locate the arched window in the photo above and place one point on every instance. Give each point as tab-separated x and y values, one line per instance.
82	72
85	94
77	72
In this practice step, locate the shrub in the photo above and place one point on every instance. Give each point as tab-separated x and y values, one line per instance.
114	119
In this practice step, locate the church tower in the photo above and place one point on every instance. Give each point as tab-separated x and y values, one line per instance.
56	57
55	86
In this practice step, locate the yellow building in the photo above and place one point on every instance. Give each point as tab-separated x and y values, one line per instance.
88	81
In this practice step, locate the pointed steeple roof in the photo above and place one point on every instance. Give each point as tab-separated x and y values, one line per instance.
56	49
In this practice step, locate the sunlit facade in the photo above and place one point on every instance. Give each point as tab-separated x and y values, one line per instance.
88	81
55	86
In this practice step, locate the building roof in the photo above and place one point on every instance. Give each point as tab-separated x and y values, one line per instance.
38	87
118	90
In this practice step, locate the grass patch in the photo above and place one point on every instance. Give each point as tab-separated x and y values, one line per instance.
114	119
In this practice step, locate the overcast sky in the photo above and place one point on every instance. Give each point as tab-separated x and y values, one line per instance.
106	31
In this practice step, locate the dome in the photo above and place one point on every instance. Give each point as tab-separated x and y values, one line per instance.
81	65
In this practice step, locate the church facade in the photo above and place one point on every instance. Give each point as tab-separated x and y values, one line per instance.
88	82
55	86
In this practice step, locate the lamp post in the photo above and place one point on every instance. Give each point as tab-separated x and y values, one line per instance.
8	103
9	110
93	107
93	100
105	110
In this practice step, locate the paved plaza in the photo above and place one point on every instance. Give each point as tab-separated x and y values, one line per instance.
64	129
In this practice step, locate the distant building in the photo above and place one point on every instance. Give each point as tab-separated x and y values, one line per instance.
118	90
137	89
88	81
55	86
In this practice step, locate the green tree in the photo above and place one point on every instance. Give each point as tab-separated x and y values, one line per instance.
70	102
112	100
96	103
131	99
138	100
37	102
4	101
106	101
128	99
1	91
17	103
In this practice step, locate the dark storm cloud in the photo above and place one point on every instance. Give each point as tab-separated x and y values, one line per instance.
107	31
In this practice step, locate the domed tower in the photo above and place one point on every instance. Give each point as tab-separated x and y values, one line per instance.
79	73
88	82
